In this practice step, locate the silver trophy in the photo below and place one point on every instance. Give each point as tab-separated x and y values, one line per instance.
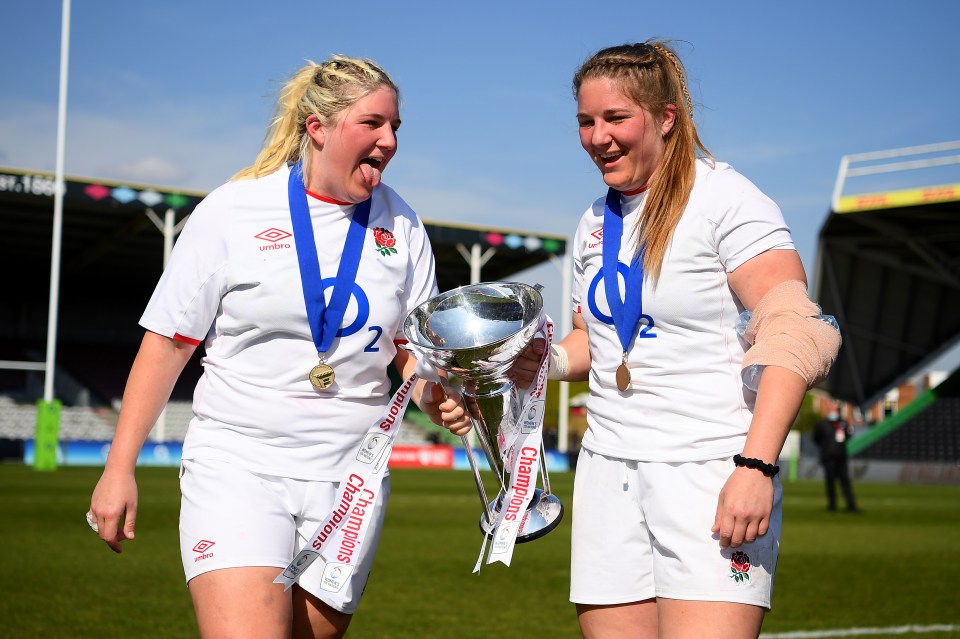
476	333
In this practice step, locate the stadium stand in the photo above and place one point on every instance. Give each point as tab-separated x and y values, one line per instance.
888	267
77	423
926	430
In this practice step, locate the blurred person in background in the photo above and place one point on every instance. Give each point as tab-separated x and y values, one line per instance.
297	275
831	435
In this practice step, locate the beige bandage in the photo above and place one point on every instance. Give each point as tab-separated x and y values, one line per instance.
784	331
559	362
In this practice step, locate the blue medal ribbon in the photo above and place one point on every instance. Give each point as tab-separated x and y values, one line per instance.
625	312
324	319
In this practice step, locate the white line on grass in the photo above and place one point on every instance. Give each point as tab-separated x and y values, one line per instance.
856	632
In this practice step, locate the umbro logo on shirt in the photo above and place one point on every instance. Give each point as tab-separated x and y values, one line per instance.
275	237
598	234
272	235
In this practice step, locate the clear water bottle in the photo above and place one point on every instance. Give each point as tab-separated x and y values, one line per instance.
751	374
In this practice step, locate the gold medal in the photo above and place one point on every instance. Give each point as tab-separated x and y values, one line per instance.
623	375
322	376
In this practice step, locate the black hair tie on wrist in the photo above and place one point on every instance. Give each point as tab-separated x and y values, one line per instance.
749	462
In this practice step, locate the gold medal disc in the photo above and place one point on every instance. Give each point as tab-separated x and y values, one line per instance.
322	376
623	377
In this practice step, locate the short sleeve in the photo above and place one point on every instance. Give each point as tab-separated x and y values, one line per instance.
746	222
421	273
589	230
185	301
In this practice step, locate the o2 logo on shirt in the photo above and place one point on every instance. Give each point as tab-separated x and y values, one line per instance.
363	314
646	322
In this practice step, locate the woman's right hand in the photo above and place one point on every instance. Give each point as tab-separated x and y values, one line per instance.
113	507
445	409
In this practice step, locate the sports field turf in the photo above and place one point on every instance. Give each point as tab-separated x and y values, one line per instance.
895	565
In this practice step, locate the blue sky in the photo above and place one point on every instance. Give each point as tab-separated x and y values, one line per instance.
178	93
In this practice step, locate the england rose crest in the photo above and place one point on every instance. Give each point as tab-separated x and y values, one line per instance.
740	567
385	241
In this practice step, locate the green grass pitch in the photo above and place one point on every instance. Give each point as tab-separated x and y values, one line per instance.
895	565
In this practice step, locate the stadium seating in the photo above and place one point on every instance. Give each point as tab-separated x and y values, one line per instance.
927	430
18	422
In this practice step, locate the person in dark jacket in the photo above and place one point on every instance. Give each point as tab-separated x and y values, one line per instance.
831	435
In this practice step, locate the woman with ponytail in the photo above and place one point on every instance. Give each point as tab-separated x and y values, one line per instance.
296	275
677	501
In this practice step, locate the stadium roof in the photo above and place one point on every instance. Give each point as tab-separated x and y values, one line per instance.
888	267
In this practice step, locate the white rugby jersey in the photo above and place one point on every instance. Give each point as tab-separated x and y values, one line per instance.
686	401
233	282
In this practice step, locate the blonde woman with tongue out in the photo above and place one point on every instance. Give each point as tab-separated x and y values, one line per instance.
296	275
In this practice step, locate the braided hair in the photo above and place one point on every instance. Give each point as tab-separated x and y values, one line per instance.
651	74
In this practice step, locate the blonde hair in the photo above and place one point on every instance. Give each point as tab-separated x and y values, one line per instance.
324	90
651	74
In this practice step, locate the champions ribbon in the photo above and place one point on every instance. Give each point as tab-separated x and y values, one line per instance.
626	312
339	537
520	450
324	319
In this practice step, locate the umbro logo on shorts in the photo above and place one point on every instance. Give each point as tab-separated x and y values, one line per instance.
202	547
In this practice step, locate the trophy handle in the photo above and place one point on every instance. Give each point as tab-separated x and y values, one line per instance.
543	470
481	491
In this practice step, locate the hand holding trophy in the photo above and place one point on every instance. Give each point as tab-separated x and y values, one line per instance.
475	333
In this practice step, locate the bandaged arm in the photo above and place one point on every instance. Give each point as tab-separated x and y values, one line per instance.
786	329
745	504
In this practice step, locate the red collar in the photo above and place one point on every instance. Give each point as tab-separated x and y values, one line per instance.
328	200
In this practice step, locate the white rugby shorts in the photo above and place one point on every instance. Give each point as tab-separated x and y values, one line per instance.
231	517
642	530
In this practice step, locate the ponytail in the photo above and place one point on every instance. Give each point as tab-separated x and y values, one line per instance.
324	90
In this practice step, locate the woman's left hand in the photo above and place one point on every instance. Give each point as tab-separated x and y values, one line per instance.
744	507
445	409
527	364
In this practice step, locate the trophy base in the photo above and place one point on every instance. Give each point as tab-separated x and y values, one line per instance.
543	515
